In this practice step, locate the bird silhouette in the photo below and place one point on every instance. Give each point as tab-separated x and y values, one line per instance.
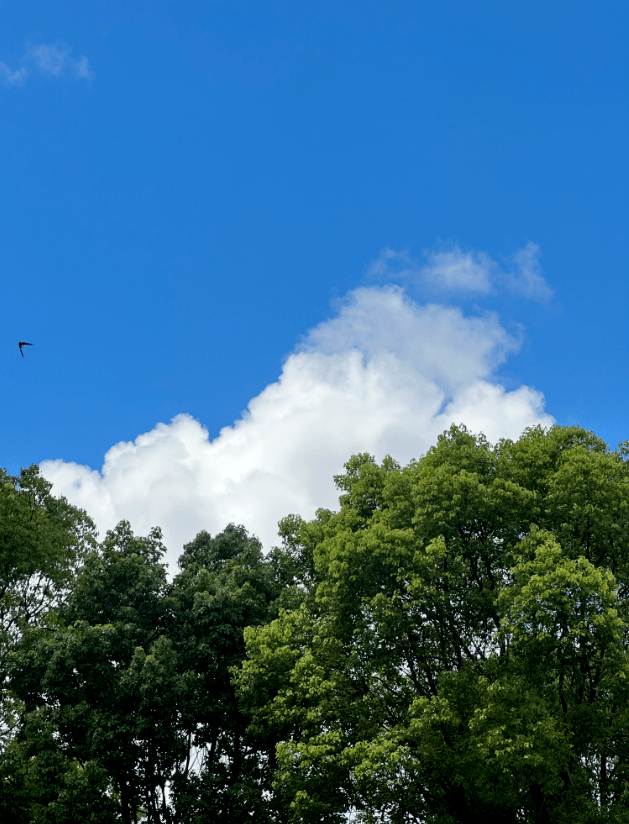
21	344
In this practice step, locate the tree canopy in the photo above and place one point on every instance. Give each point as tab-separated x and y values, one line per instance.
461	655
450	646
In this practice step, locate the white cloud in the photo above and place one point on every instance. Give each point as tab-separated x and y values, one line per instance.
384	375
528	281
8	77
391	264
453	270
49	59
82	69
46	59
456	270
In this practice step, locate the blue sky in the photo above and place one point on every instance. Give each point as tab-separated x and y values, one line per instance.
190	189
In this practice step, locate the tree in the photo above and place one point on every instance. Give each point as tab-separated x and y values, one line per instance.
224	586
42	542
459	650
129	712
99	687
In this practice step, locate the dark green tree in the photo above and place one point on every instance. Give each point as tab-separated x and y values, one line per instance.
129	711
99	687
224	586
43	540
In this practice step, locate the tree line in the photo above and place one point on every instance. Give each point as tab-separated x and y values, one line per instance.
451	645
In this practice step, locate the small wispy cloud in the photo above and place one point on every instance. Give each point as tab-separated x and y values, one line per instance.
51	60
454	270
459	271
8	77
393	265
82	69
528	280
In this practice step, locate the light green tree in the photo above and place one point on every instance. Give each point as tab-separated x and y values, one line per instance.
458	649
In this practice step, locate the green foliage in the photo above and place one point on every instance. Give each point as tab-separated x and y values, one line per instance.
224	586
42	539
460	654
129	712
450	646
101	672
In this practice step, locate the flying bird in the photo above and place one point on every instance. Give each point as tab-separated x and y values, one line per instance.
21	344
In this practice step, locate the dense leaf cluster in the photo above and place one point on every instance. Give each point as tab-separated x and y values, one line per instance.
123	693
460	654
450	646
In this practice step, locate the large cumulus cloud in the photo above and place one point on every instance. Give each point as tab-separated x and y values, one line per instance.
384	375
